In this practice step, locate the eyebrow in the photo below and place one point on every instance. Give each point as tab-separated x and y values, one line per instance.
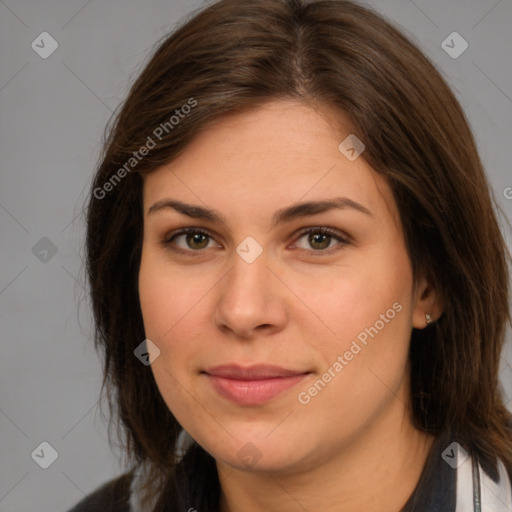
283	215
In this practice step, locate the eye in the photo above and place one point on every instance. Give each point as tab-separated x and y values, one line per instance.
320	239
192	240
196	240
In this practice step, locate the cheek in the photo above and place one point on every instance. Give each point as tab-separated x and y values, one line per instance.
171	305
166	297
164	304
373	351
357	297
370	311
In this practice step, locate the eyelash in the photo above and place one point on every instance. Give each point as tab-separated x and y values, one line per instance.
167	242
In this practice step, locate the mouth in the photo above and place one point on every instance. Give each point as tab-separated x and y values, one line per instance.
254	385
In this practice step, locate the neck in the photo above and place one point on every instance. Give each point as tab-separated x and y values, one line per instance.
376	469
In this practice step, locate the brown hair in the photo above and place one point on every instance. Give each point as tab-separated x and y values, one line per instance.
233	56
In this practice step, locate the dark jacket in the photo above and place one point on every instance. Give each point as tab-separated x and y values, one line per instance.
113	496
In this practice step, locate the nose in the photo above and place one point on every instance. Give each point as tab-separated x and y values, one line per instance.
250	300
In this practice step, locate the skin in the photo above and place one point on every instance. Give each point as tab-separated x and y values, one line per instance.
299	305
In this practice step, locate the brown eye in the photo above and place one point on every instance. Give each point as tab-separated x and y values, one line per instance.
320	240
196	240
188	240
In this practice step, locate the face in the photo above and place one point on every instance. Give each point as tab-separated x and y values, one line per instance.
276	320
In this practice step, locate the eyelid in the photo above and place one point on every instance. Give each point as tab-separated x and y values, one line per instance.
323	229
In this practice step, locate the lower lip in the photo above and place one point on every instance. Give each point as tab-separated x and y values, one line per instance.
253	392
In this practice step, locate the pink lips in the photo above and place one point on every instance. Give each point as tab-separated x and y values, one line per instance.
252	385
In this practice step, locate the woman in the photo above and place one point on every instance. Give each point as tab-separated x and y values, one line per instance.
299	284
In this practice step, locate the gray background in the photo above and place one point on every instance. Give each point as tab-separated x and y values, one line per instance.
52	115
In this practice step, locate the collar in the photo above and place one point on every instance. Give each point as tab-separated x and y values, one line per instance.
479	492
454	481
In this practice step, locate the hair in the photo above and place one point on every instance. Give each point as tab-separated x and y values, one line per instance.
232	57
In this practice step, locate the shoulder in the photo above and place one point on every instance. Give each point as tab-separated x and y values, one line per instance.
112	496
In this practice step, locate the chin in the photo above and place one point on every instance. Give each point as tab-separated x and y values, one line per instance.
255	453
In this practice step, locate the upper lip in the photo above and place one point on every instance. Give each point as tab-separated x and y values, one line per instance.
254	372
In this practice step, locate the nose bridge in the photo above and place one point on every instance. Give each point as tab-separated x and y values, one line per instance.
248	296
248	277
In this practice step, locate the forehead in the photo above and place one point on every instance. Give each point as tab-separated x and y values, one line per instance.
277	154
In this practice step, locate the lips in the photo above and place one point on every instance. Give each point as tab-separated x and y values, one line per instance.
253	385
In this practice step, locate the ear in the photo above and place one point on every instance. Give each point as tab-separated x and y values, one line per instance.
427	300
